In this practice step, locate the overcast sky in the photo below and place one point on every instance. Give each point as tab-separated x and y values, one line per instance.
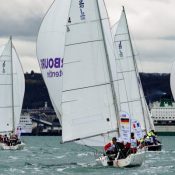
151	22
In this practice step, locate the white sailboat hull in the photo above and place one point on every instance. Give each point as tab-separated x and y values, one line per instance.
130	161
16	147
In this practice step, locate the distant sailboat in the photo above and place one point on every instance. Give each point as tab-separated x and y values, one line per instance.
89	82
12	87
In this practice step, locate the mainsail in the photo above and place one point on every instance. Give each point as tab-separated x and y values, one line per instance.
89	105
12	86
50	50
131	94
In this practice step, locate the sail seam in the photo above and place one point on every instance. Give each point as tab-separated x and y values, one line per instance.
83	42
91	86
117	41
123	58
4	60
5	84
126	71
130	101
9	74
121	34
68	101
92	21
9	106
87	87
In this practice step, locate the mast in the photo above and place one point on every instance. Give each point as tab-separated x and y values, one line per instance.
135	65
13	109
109	69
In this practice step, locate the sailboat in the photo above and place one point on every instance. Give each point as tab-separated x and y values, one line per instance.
83	89
12	86
132	100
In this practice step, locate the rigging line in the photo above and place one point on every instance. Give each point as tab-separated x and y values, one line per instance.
96	150
78	139
108	63
13	104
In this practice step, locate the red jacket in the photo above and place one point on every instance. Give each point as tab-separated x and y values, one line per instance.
107	146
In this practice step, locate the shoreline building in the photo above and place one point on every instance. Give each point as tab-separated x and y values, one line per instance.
163	115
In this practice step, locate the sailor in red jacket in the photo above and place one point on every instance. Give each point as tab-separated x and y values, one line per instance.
110	147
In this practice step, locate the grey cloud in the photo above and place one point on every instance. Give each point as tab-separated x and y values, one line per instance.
24	29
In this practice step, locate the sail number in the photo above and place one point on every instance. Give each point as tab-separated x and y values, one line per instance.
82	13
3	67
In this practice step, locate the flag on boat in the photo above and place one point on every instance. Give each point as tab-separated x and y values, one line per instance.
136	129
125	130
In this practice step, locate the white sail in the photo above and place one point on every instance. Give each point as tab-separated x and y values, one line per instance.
50	50
12	86
172	80
132	99
88	102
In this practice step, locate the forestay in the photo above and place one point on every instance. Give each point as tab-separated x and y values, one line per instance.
88	102
50	50
131	95
12	86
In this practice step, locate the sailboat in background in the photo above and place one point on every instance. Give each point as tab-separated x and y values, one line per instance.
12	87
88	99
132	100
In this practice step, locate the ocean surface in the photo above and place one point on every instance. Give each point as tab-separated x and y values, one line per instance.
46	156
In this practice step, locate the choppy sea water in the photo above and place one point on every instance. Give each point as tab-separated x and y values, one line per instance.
46	156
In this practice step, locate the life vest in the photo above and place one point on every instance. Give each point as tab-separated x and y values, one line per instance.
141	140
107	146
149	134
133	143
